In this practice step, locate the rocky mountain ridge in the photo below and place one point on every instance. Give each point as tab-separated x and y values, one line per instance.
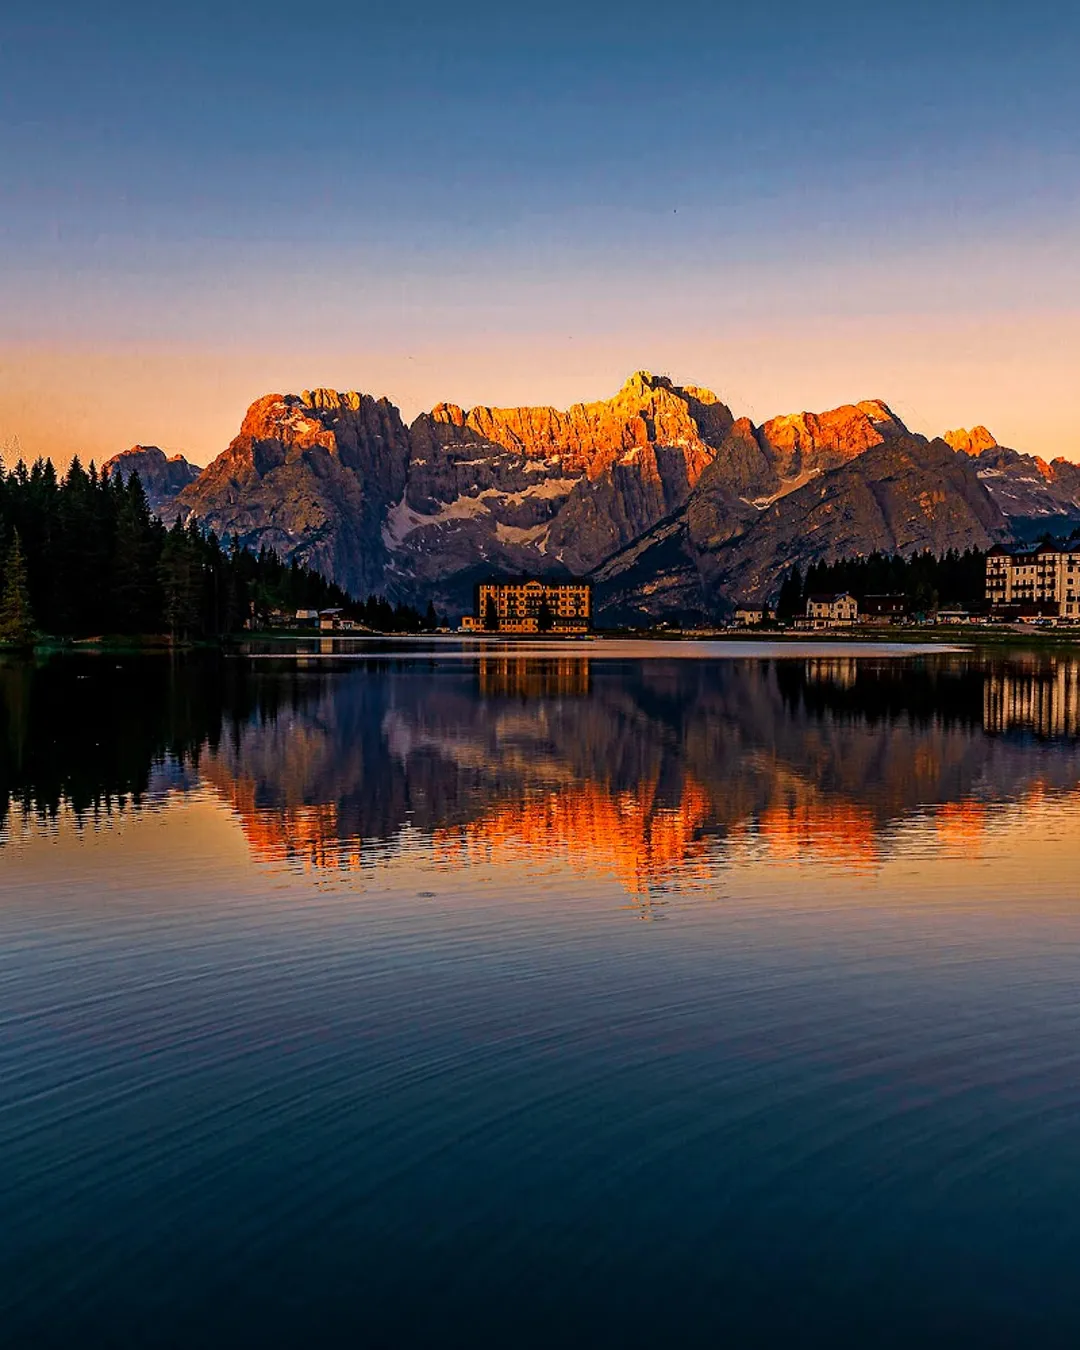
899	496
163	476
664	497
1035	494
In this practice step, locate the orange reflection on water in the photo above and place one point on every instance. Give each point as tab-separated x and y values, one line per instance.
654	777
627	835
961	826
298	833
830	830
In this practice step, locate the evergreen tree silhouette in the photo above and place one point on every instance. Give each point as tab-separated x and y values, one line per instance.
790	602
180	583
16	616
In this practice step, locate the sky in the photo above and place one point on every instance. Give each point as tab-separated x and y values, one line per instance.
795	205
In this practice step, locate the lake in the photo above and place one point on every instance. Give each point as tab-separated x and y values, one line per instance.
416	993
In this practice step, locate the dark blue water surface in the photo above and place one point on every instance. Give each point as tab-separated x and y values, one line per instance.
676	995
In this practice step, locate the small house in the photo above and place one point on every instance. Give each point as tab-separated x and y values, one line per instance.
884	609
751	616
832	610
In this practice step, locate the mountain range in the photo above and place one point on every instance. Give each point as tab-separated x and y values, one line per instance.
669	503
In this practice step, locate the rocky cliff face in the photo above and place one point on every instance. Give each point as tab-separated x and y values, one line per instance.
539	489
1036	495
758	466
163	478
808	443
668	501
903	494
312	476
338	481
972	442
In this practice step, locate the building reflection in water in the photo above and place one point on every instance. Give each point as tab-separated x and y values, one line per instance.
533	676
1045	700
838	670
654	772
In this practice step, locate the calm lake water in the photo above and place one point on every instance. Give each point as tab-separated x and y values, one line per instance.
424	995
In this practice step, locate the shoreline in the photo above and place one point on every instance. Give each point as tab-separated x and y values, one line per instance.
952	638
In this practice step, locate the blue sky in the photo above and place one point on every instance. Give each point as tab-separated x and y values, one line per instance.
486	204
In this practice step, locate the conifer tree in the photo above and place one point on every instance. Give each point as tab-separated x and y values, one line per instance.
790	602
16	616
136	588
180	582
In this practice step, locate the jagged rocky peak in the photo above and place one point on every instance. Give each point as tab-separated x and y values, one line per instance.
151	457
163	476
332	400
312	476
900	495
883	417
323	417
972	442
537	487
808	442
643	387
644	382
1029	490
587	437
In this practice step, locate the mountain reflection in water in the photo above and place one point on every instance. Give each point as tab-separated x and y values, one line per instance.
641	769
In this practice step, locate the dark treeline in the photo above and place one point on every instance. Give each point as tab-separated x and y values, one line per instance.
380	614
82	555
926	580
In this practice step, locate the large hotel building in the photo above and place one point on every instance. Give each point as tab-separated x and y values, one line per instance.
531	606
1043	580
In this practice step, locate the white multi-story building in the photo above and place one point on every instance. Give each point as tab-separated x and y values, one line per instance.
835	610
1044	579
